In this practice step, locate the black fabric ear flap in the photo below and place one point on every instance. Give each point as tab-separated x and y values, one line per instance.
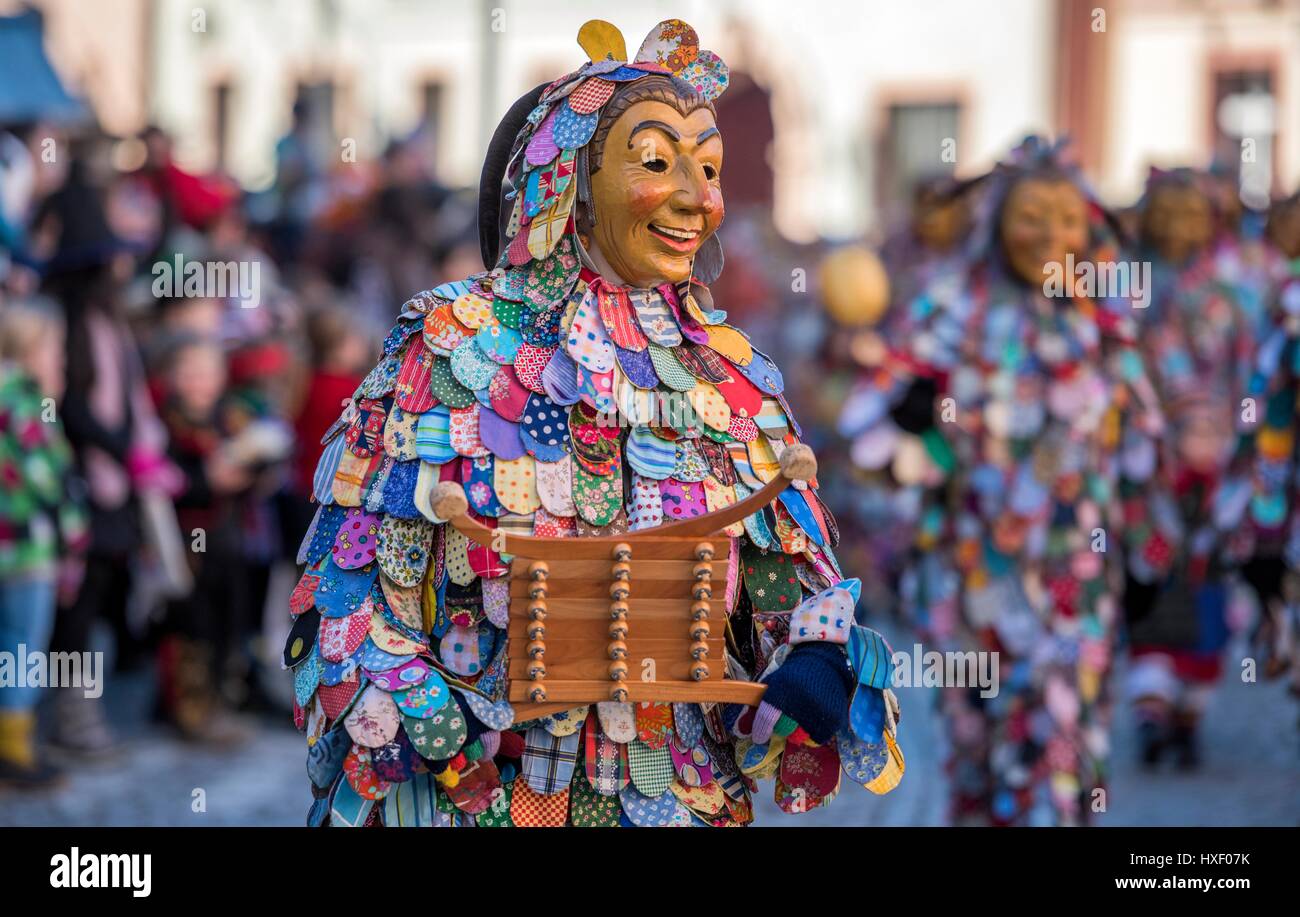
490	186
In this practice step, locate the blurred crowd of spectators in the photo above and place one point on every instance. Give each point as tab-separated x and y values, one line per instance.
157	438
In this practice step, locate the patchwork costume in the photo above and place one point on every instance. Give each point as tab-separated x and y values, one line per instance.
1183	522
1000	417
565	405
1272	520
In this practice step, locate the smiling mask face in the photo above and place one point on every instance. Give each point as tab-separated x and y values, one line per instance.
657	194
1179	223
1043	221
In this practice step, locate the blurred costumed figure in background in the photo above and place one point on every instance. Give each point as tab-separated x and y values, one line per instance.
854	292
1184	496
1274	395
1245	259
586	384
1002	413
931	245
867	298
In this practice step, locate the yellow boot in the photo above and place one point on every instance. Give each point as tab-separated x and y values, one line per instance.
17	729
19	764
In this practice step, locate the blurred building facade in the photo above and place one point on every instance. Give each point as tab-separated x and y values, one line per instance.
865	96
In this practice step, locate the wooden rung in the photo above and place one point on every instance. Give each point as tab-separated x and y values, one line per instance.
595	666
644	547
564	695
557	629
640	609
603	570
640	585
658	647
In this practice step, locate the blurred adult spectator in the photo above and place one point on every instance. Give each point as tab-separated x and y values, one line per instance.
194	200
111	424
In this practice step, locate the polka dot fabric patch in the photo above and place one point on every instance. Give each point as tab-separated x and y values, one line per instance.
682	499
545	421
516	485
645	507
357	539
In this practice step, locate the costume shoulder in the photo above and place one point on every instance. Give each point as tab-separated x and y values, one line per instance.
566	405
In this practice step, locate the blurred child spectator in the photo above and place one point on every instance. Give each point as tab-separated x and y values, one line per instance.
200	626
338	360
42	520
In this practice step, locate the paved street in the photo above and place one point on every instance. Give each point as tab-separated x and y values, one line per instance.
1251	775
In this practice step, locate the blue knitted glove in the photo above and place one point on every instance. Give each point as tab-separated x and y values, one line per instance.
812	688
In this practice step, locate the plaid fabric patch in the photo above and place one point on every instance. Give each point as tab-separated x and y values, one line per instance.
548	760
605	760
651	768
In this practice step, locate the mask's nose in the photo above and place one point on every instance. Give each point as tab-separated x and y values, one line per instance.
693	196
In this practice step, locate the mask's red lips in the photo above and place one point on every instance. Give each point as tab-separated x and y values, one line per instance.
682	240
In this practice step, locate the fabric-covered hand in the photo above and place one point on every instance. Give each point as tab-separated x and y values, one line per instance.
807	695
810	690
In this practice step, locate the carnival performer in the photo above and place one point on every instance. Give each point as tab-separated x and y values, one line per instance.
1275	525
1002	413
1185	496
521	393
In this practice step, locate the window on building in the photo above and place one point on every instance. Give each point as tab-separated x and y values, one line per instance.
431	93
222	98
1245	130
317	102
919	142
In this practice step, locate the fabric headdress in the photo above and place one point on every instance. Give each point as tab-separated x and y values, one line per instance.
1034	155
539	151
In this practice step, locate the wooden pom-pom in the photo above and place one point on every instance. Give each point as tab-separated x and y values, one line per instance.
448	500
798	463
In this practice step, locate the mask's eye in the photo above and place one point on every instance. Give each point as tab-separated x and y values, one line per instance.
710	171
656	165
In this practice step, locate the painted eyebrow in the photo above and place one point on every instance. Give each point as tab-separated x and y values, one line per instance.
711	132
646	125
